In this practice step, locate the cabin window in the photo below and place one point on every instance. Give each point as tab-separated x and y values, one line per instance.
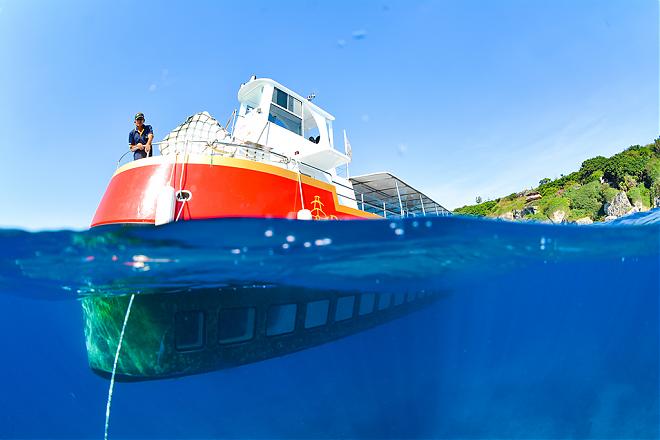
287	102
317	313
235	325
189	330
399	298
281	319
384	301
285	119
286	111
367	303
344	308
280	98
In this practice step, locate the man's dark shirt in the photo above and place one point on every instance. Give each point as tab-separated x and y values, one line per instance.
135	137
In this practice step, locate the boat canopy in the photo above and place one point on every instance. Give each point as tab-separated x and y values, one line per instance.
385	194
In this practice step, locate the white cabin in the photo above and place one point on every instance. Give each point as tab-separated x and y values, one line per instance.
273	116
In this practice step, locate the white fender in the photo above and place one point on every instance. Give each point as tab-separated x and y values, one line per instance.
304	214
165	204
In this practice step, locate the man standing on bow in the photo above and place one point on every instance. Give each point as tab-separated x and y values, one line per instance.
140	138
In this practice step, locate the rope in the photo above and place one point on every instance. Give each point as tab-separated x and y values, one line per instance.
183	203
114	367
176	155
302	202
183	170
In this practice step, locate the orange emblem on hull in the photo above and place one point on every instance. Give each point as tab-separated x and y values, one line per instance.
317	210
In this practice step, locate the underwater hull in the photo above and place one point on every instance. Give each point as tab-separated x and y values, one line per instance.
217	187
171	335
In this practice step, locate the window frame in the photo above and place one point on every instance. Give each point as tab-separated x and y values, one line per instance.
251	311
201	330
295	319
302	110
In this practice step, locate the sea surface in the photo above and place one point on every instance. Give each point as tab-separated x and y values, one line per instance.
542	331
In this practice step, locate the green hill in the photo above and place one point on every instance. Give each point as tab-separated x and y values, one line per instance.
589	192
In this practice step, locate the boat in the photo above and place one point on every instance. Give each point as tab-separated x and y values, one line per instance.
275	157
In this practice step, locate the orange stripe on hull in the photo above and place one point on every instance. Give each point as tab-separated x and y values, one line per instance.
217	191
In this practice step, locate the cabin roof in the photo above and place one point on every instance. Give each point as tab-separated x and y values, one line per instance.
253	84
380	188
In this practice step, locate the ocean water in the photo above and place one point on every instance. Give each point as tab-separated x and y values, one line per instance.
542	331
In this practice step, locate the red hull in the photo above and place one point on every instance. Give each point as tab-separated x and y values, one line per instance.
220	187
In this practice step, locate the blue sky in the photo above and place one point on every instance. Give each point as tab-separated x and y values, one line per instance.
460	98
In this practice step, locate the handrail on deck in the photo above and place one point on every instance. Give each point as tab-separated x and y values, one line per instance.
213	146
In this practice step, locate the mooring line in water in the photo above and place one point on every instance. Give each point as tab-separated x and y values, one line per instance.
114	367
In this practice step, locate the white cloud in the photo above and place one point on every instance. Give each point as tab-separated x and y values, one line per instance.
153	87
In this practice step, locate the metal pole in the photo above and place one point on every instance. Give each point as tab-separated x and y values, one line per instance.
422	201
362	198
436	210
384	210
399	195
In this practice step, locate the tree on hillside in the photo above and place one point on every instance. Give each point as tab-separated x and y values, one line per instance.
630	162
591	165
544	181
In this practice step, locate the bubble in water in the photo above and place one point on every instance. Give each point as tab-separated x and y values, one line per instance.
285	246
290	238
398	231
392	225
307	244
322	242
235	251
268	233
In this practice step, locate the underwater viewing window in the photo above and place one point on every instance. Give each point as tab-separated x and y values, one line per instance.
384	301
399	298
367	303
317	313
281	319
189	330
344	308
235	325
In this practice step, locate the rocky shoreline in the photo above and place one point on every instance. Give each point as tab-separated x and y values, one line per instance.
620	206
603	189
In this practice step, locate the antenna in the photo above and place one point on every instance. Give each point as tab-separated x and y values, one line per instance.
348	150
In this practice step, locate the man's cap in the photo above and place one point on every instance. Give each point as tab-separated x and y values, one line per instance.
139	116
